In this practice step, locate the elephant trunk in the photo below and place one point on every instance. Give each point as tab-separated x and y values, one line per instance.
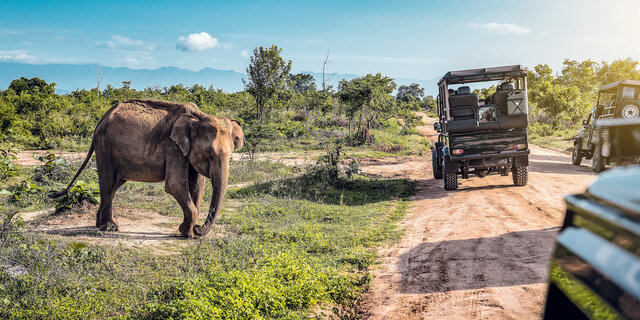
219	181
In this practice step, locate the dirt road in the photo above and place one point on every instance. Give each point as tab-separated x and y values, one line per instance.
480	252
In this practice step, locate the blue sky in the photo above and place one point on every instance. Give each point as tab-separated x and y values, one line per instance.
410	39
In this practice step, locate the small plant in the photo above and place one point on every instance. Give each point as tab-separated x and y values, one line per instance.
7	167
24	190
53	168
78	193
353	168
10	222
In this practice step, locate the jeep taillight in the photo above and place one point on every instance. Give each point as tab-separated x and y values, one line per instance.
457	151
519	146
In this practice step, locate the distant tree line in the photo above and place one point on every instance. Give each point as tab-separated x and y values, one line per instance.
277	104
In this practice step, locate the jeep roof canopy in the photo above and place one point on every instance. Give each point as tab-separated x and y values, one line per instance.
483	74
612	87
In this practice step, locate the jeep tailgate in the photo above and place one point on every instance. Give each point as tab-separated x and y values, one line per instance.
488	142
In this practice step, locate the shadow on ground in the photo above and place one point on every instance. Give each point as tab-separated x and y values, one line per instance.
90	231
511	259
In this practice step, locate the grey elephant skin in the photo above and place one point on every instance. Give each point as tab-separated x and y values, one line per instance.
155	141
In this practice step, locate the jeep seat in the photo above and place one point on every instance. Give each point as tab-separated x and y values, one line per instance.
500	97
463	98
462	109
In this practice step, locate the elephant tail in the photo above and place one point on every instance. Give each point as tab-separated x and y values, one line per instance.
84	164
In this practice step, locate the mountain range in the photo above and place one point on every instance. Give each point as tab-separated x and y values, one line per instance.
69	77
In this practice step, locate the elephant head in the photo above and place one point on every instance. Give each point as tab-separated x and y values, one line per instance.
207	142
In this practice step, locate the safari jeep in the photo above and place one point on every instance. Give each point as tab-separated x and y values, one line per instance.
485	136
621	101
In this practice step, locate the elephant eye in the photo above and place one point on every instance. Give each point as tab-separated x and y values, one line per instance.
208	149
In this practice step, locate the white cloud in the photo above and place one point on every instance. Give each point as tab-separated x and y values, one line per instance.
16	56
244	54
126	43
501	28
197	42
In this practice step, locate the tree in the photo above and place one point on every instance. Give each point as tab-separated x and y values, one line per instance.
368	100
617	70
410	92
32	86
98	80
268	73
581	75
302	82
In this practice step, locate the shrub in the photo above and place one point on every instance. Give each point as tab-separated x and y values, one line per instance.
78	193
25	193
53	168
7	167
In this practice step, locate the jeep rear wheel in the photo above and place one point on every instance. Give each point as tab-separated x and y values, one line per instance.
520	176
450	179
436	163
576	156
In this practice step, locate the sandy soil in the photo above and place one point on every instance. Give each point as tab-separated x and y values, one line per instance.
480	252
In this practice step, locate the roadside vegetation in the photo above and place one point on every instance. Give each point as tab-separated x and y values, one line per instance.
559	102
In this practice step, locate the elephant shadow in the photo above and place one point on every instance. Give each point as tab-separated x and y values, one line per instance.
93	232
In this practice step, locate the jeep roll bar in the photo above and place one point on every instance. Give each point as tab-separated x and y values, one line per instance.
478	75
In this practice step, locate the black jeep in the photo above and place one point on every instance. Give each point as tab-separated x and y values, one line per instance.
595	269
623	103
482	136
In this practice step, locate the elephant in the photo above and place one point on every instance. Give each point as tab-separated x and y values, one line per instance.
156	141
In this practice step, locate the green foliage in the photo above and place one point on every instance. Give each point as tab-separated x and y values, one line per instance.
410	93
10	223
368	102
53	168
564	99
78	193
268	73
24	192
7	167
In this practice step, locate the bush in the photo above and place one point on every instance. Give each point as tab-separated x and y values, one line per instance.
7	167
25	193
77	194
53	169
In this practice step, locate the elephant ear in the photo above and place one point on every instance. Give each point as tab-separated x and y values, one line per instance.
181	132
237	134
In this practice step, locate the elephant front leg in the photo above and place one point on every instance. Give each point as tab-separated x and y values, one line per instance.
179	189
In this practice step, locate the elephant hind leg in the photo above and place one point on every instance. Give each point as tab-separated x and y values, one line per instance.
104	216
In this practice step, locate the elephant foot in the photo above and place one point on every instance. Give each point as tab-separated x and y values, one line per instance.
186	230
108	226
201	231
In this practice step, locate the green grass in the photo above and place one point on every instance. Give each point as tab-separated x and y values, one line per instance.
291	247
545	136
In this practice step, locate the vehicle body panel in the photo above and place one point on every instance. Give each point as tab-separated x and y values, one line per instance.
595	267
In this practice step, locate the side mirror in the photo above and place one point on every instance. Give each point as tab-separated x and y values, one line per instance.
436	127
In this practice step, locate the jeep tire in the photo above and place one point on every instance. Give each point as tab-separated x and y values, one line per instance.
520	176
436	161
450	178
576	156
